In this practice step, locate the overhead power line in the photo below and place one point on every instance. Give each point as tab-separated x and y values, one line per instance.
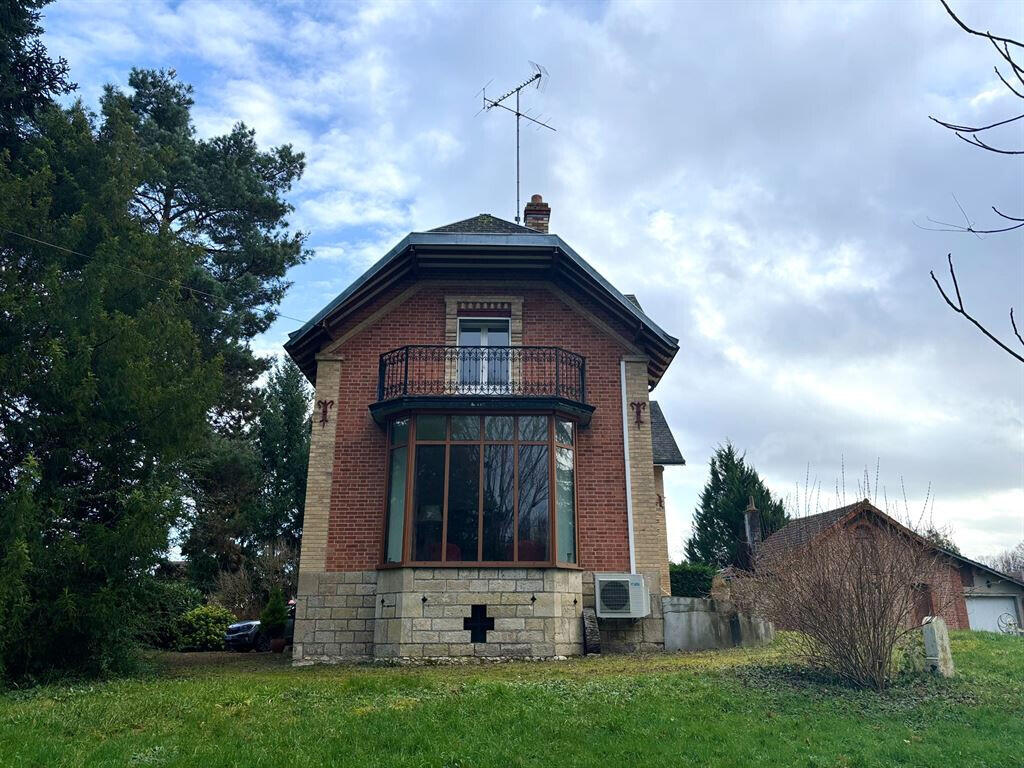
173	283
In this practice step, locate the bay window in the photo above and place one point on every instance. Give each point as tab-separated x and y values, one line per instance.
481	489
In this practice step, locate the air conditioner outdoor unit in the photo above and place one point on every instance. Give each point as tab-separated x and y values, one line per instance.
621	596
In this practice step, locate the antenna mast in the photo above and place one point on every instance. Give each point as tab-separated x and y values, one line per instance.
538	77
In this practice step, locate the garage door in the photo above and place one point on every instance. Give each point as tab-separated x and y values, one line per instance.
984	612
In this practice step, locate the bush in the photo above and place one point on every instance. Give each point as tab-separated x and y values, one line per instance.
850	595
275	615
202	628
161	603
691	579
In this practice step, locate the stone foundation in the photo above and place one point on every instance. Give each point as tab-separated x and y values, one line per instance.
334	616
421	612
413	613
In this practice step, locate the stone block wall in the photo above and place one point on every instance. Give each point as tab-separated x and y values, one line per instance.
334	617
630	635
420	612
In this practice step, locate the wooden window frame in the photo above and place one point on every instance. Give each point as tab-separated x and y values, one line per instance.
551	443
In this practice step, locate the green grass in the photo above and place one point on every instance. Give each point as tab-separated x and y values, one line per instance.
734	708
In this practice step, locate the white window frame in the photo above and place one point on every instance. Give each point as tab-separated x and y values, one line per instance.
484	363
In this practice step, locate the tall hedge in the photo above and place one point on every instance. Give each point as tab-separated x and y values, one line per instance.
691	579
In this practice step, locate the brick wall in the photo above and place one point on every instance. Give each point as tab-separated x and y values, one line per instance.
418	316
948	596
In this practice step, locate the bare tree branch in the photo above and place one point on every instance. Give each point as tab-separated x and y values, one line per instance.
989	35
979	143
959	309
968	129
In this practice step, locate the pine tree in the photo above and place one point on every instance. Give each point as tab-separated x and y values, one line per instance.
719	528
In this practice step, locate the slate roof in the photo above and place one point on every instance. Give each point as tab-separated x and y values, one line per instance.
665	449
454	250
486	224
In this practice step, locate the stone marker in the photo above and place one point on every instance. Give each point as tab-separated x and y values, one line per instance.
938	658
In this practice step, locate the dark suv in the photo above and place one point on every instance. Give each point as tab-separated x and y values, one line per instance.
248	636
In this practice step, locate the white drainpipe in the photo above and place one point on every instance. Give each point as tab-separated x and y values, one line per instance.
625	455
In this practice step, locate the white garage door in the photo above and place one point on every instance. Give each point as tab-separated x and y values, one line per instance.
984	612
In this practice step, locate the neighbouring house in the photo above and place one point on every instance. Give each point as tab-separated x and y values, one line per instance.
967	594
483	444
991	596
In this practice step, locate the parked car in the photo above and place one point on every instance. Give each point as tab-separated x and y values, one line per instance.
244	636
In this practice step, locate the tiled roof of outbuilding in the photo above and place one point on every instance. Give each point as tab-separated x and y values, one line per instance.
802	530
485	224
664	444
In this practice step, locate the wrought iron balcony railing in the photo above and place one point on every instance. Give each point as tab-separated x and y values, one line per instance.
423	370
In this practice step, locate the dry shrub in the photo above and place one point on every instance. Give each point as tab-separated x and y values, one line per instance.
244	592
850	594
235	592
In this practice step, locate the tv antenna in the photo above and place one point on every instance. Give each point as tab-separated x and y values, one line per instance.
537	80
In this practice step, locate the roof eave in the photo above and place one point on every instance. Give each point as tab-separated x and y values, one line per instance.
303	343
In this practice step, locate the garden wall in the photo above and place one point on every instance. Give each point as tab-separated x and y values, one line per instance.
695	624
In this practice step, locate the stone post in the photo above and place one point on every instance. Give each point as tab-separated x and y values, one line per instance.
937	655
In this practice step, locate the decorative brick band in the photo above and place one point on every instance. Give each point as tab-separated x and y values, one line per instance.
482	306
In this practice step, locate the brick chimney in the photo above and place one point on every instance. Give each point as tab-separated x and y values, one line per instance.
752	521
537	214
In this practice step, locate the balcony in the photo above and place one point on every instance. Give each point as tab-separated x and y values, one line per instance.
428	377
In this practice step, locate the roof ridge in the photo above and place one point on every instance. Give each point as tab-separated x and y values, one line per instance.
485	224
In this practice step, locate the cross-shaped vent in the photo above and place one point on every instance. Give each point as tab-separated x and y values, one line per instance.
478	624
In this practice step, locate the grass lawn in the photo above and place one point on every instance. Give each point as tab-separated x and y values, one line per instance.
734	708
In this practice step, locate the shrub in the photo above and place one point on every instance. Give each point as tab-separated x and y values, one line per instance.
691	579
202	628
161	603
275	615
850	595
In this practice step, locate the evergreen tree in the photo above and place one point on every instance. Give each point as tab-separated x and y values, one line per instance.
136	263
719	527
282	439
941	539
225	197
29	78
104	390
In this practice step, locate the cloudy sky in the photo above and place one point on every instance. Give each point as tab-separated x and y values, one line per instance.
757	174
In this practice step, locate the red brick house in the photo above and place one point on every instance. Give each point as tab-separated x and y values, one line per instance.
483	444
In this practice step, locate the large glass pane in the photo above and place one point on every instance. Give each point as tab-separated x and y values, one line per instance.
396	504
430	427
463	500
497	359
498	427
533	502
563	431
534	428
465	427
400	431
499	521
470	338
564	507
428	502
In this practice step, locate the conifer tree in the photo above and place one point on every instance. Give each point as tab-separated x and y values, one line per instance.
719	528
